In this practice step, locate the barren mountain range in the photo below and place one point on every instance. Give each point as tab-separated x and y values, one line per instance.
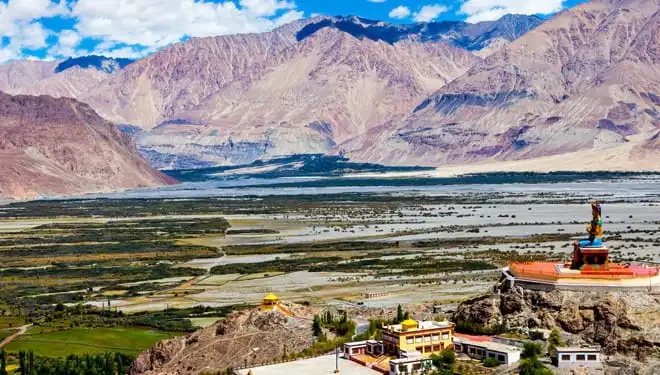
60	146
304	87
581	85
585	80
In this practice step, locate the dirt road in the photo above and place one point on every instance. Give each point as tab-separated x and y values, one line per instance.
21	331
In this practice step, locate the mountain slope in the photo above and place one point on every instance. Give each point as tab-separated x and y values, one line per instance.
60	146
586	79
235	99
68	78
302	88
322	91
15	75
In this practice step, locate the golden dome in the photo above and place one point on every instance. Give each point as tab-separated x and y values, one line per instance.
271	297
409	324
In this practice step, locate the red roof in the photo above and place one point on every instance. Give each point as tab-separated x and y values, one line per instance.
474	338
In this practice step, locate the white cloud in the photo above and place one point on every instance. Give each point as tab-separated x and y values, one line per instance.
31	35
18	24
265	8
156	23
400	12
67	42
132	28
429	12
7	54
489	10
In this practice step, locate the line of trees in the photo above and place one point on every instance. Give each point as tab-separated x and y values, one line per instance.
88	364
3	362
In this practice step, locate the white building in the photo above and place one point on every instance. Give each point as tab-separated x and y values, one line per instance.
410	363
569	357
504	354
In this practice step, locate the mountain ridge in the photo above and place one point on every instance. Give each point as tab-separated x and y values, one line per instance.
582	80
60	146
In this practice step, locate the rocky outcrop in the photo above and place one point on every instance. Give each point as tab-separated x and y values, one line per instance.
54	146
619	322
246	338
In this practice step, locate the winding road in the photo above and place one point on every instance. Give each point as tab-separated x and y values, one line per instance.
21	331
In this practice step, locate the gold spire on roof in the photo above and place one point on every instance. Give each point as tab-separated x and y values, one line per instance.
271	297
409	324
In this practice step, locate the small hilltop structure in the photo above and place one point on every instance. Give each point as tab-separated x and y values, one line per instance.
269	303
272	303
590	267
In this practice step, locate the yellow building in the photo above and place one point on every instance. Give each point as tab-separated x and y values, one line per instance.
412	336
270	302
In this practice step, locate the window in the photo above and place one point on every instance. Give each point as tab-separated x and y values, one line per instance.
565	357
427	338
445	336
418	339
580	357
409	340
428	349
436	337
458	347
491	355
501	358
472	351
592	357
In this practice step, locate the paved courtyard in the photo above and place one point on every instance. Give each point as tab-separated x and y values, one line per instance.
313	366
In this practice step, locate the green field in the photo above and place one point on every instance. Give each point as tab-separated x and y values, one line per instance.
204	322
11	322
88	340
5	332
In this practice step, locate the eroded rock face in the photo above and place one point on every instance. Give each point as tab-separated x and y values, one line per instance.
244	338
584	80
616	321
54	146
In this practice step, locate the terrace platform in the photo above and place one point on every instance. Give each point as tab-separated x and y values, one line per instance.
311	366
549	276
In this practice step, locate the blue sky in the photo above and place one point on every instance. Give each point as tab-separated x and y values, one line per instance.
54	29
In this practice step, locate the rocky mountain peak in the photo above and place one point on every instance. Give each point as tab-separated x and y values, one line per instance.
462	34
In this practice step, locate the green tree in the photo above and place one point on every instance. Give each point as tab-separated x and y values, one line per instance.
3	362
531	350
316	326
399	314
491	362
553	342
530	365
444	362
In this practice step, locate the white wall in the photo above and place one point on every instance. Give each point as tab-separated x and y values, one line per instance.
575	362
